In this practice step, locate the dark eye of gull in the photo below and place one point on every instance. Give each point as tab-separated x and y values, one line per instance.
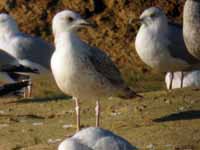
70	19
152	15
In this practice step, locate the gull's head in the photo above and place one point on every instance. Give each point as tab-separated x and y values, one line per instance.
153	15
7	24
68	21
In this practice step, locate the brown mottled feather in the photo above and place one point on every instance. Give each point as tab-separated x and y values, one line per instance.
104	65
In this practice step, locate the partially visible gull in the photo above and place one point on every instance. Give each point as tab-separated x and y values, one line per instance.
13	88
31	51
95	139
11	70
160	44
80	70
191	79
191	26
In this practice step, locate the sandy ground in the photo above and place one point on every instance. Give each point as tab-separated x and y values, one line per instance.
161	121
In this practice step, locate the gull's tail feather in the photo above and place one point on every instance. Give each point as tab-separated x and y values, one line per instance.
13	88
129	94
19	69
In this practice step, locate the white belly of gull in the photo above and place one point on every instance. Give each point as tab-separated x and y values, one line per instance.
154	53
76	78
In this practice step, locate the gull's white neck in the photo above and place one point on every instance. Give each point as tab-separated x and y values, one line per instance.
158	27
66	40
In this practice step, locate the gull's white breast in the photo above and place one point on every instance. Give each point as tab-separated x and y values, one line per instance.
153	50
75	75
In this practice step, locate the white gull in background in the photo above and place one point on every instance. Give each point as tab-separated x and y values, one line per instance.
191	79
30	51
160	44
80	70
95	139
191	26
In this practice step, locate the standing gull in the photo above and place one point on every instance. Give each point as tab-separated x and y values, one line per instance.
160	44
191	79
95	139
80	70
31	51
191	26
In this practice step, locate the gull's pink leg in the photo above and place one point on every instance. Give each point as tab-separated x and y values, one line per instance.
77	108
25	92
29	88
97	110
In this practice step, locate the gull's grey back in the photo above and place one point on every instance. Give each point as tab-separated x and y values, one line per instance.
101	139
113	143
33	49
191	26
91	135
6	58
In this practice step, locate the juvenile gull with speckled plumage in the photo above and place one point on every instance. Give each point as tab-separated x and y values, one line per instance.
80	70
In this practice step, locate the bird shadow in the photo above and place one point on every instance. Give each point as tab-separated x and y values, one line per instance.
43	99
187	115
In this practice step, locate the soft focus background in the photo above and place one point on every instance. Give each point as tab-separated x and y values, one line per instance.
114	33
41	122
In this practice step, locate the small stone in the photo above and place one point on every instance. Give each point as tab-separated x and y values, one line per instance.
2	112
150	146
168	145
182	108
167	101
51	141
66	126
37	123
3	125
115	113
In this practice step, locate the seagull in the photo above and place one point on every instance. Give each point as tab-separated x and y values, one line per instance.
30	51
93	138
160	44
13	88
191	26
191	79
11	70
80	70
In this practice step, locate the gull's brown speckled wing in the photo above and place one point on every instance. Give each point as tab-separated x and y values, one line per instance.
104	65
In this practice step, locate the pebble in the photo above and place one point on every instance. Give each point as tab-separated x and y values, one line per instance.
3	125
66	126
51	141
37	123
150	146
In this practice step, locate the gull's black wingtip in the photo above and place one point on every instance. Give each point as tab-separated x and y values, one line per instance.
19	69
10	88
